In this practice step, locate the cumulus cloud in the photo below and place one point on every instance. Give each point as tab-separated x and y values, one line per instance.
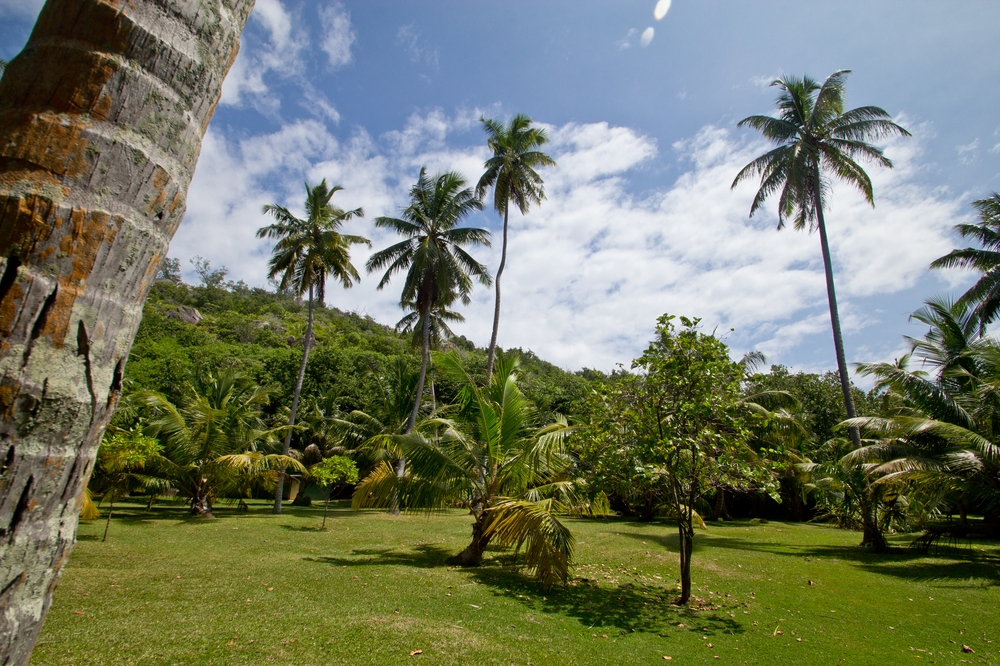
592	267
969	152
272	46
338	36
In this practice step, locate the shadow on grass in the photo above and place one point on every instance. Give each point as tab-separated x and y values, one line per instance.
947	562
627	608
424	556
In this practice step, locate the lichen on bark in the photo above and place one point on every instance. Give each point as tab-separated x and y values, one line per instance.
90	197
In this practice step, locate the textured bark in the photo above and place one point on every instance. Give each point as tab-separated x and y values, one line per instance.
101	121
838	338
306	343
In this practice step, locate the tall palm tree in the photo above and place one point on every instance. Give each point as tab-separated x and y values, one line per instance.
816	137
494	459
511	173
984	296
438	269
308	252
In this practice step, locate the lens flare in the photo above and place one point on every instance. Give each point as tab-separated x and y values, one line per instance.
647	37
662	7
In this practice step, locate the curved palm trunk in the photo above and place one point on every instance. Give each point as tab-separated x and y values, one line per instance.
838	338
472	556
496	309
306	343
101	121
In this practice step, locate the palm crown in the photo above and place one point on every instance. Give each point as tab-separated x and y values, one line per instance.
512	168
310	250
814	135
984	296
435	262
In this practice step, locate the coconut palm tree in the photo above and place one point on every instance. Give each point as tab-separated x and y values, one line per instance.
511	173
307	252
815	138
213	443
438	268
984	296
493	459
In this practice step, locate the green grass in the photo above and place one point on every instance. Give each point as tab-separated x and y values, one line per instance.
256	588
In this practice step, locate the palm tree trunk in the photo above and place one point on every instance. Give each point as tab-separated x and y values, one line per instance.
424	362
101	121
496	308
280	489
472	556
838	338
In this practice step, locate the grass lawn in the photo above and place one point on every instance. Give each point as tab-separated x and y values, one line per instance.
254	588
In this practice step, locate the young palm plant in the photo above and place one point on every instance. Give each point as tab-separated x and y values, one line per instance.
493	458
438	268
815	137
307	252
212	444
511	173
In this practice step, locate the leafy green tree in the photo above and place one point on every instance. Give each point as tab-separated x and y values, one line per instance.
438	268
511	173
212	444
330	472
121	468
815	137
982	298
495	460
681	420
307	252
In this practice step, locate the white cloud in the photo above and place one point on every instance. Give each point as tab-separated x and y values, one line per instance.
22	9
278	53
625	43
409	39
590	269
969	152
338	35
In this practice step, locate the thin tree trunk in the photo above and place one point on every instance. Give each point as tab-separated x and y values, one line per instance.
496	308
101	121
111	507
326	507
306	343
686	546
424	362
838	338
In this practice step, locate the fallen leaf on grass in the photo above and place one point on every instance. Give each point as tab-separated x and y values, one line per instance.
668	658
416	652
232	643
967	649
78	612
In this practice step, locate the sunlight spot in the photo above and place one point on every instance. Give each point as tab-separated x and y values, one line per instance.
662	7
647	37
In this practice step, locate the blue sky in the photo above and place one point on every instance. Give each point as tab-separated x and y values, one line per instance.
639	218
